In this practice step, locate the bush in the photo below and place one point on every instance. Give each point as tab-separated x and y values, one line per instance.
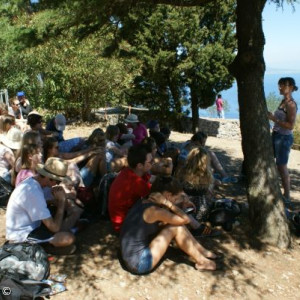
297	131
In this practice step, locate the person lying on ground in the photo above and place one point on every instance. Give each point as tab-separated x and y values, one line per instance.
151	225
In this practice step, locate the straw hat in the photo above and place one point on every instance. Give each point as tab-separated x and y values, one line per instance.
132	118
54	168
13	138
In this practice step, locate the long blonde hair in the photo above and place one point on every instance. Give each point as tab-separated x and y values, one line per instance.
197	171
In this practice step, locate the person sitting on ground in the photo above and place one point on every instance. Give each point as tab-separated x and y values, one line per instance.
10	143
160	165
86	175
132	183
7	122
58	125
160	139
138	129
199	139
125	136
24	104
3	109
27	215
14	108
198	182
151	225
31	156
196	173
115	155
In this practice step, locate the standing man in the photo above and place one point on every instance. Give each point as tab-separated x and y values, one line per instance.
24	104
220	109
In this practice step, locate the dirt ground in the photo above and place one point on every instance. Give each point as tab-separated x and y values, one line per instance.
94	272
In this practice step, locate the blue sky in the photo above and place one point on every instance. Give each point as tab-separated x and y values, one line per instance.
282	33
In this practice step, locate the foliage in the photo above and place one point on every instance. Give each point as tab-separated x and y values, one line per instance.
181	49
297	131
273	101
64	73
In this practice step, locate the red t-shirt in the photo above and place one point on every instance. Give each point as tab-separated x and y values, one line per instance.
125	190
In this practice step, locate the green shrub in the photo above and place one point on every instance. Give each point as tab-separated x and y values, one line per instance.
297	131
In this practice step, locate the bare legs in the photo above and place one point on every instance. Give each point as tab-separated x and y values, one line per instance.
285	179
215	163
186	242
63	239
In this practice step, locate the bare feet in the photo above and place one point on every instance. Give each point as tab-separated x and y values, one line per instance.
206	265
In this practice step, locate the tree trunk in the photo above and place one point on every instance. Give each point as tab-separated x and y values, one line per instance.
267	214
195	109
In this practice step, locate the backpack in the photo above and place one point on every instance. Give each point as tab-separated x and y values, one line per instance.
5	191
12	289
24	261
102	195
22	267
223	213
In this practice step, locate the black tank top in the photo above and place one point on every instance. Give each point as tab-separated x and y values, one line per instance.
136	234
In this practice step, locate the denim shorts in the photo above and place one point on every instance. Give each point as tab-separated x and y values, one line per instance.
87	176
282	146
145	263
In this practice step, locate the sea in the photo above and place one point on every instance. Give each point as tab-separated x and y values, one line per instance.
270	86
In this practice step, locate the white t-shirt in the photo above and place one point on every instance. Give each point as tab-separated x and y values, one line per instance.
25	210
4	164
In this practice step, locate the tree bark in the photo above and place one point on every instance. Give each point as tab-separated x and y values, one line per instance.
265	202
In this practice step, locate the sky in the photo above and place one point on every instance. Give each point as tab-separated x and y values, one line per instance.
281	28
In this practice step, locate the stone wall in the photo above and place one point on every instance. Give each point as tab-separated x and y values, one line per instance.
229	129
223	128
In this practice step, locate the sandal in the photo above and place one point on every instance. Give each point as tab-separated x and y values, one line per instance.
205	231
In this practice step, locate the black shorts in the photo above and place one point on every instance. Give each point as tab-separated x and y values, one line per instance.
40	235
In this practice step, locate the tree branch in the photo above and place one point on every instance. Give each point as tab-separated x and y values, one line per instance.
177	2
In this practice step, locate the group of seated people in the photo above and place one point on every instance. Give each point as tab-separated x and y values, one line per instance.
147	198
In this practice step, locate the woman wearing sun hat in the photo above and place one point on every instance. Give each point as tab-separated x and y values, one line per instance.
139	129
9	143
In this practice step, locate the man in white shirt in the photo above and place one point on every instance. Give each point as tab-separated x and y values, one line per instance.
27	215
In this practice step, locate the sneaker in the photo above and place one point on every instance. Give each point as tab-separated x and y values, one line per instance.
205	231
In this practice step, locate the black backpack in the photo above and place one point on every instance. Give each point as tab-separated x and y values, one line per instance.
12	289
5	191
24	261
223	213
102	196
22	267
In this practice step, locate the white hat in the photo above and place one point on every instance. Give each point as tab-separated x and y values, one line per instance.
54	168
132	118
60	122
13	138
